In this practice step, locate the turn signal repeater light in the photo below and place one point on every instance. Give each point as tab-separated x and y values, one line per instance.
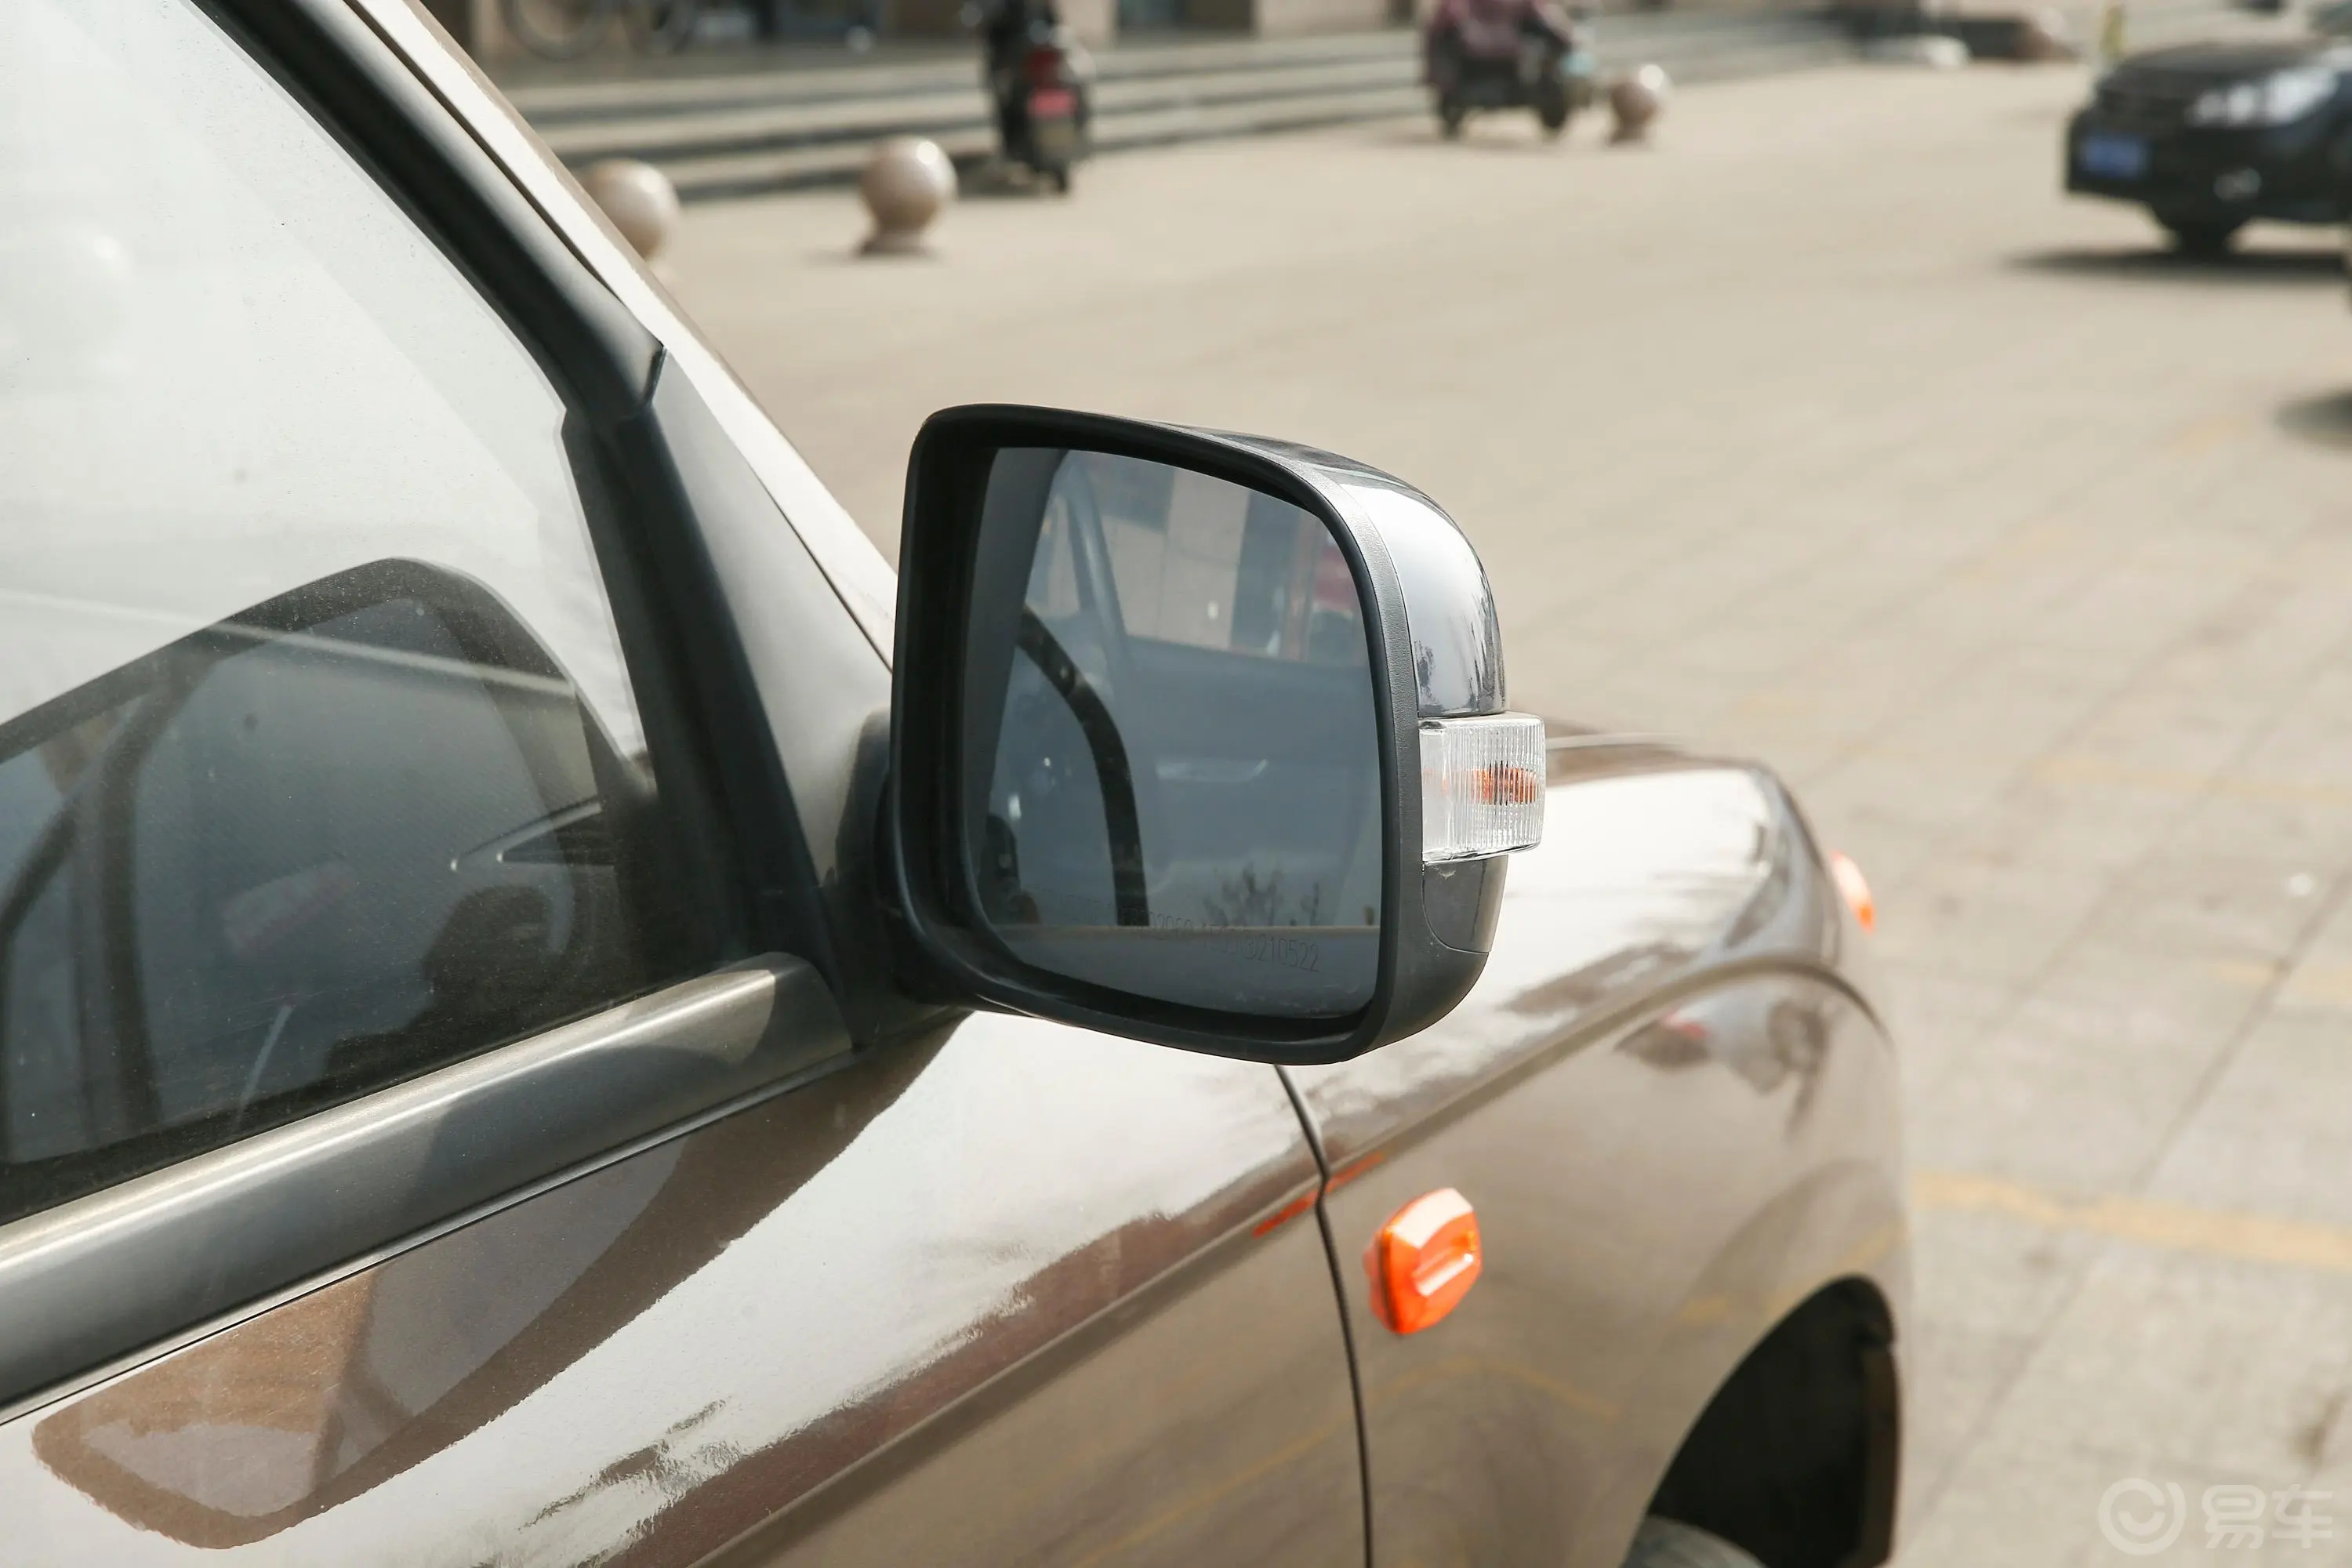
1853	886
1482	785
1424	1260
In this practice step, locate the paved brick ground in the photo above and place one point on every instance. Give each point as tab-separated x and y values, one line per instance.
1826	429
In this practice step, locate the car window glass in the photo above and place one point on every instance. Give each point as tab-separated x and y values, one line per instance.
319	765
203	298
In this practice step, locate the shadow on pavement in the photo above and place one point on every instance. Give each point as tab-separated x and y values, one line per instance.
993	180
1497	139
2323	419
2304	264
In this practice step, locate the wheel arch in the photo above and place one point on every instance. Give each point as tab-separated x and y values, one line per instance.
1798	1457
1771	1411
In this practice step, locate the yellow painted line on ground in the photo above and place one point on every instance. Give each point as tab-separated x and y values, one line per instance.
2253	973
2324	986
2080	768
1782	699
2318	985
2036	546
2203	435
2149	1222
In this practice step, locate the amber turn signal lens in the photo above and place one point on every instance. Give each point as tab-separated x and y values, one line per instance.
1424	1260
1856	889
1506	785
1482	785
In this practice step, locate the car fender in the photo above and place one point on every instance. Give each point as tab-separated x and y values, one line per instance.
1844	1221
1672	1106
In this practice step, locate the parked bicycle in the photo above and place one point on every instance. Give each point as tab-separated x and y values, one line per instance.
567	29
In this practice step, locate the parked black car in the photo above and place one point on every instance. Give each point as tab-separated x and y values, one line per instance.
2211	136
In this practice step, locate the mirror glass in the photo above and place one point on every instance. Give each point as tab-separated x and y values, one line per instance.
1172	770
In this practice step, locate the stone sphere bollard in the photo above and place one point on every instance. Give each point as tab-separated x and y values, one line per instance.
639	198
1635	101
906	183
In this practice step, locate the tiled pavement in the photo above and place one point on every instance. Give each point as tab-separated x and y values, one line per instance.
1825	429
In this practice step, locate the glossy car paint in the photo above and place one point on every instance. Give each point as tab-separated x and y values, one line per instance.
137	1262
1675	1122
1024	1294
1012	1294
997	1291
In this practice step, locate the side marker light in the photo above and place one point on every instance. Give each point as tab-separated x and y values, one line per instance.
1424	1260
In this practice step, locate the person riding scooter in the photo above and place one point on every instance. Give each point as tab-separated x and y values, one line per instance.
1037	79
1503	54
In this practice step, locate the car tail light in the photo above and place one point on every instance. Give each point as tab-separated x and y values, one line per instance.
1044	67
1424	1260
1856	889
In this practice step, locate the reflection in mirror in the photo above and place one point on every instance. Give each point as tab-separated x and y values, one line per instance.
1172	778
333	841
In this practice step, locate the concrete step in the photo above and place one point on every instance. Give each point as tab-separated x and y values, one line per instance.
944	109
719	133
841	76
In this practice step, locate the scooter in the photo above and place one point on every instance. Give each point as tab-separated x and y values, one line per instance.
1485	55
1043	93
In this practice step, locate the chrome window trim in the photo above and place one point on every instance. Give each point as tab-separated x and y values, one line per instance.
92	1279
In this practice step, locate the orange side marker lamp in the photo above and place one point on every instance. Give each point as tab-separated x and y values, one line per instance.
1856	890
1424	1260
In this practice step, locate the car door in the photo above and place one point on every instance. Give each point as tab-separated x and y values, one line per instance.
1675	1122
430	1124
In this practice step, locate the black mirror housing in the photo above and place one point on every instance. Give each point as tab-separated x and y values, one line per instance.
1157	613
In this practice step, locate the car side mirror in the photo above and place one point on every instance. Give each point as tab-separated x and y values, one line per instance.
1196	738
